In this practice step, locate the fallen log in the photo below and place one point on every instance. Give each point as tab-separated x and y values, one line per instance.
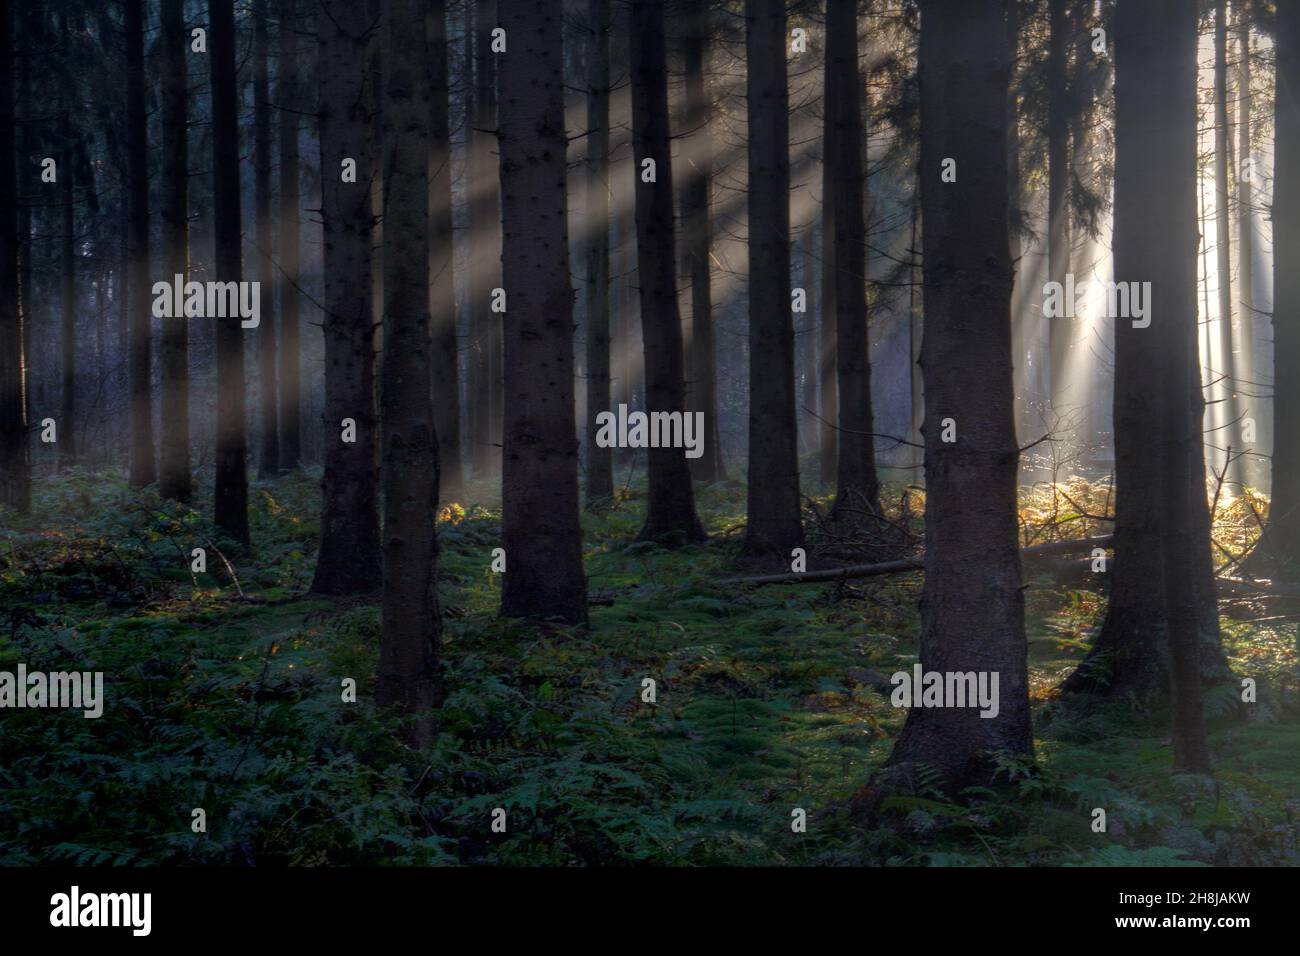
913	564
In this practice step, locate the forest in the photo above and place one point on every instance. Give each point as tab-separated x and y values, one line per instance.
659	433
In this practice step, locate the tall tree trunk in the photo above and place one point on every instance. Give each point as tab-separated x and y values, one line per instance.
773	520
1278	552
287	81
442	273
68	437
1223	238
539	483
670	516
485	249
230	498
972	608
1021	322
266	359
697	232
1245	365
174	361
1155	239
33	30
349	561
410	677
1058	201
808	424
857	486
137	148
600	461
828	405
15	467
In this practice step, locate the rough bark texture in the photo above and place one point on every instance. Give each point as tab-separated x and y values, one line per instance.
1278	553
828	406
442	275
600	461
1058	201
349	560
857	486
670	515
1155	200
174	361
697	231
15	469
287	81
773	526
972	608
484	251
266	361
539	483
409	670
142	471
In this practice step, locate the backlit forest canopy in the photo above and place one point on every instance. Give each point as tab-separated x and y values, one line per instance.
593	410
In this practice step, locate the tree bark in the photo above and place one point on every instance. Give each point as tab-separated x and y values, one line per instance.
68	437
349	561
1058	201
972	607
670	516
410	679
600	461
856	482
142	470
287	81
174	449
1245	366
1226	369
15	467
266	332
773	520
541	530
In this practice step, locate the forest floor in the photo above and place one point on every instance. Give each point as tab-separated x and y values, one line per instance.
227	696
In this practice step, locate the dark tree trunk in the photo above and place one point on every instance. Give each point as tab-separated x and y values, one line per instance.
410	678
600	461
808	424
1245	367
539	485
697	231
773	520
1278	552
15	468
857	486
1155	199
484	250
442	275
1021	319
174	360
266	360
350	560
670	516
828	405
972	608
142	471
1058	200
1225	368
68	437
230	500
287	81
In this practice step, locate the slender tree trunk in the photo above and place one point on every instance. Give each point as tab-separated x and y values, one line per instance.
442	274
410	677
972	608
174	448
600	461
287	81
1278	552
539	487
808	424
773	525
230	499
266	332
828	405
697	232
350	558
32	28
1155	238
1245	365
1058	201
1021	322
485	249
137	147
670	516
15	467
857	486
69	438
1223	237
